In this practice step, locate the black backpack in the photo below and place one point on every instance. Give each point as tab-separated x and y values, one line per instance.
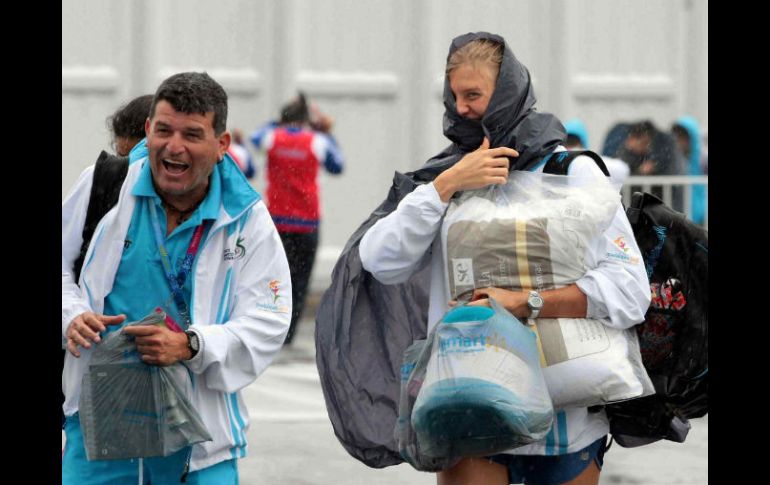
673	338
109	173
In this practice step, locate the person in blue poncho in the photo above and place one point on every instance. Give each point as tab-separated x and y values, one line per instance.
688	141
577	139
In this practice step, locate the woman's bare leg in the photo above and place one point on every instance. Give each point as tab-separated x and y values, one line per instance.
589	476
474	471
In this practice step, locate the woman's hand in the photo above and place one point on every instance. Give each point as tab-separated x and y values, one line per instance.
480	168
513	301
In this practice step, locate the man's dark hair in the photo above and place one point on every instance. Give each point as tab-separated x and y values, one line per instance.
194	92
128	120
296	111
642	128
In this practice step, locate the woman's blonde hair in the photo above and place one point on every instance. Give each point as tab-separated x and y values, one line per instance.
481	51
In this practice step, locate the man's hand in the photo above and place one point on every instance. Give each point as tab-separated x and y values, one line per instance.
87	326
479	168
158	345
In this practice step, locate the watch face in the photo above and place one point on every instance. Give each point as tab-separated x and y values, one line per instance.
193	341
535	301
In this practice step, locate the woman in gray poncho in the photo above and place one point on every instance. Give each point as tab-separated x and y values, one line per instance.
491	120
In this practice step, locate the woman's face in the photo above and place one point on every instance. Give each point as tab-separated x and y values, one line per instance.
472	86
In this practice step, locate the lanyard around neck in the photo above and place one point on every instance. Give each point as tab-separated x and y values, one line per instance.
176	281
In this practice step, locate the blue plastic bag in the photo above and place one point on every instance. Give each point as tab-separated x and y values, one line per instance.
483	391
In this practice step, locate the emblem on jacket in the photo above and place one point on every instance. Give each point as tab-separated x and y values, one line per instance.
624	253
275	289
621	243
274	286
240	251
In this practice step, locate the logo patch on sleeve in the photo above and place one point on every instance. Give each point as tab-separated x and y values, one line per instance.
275	288
625	252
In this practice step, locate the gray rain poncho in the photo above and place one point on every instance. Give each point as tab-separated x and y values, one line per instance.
363	327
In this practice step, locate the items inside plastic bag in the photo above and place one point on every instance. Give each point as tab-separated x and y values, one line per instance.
531	233
534	233
588	363
129	409
479	389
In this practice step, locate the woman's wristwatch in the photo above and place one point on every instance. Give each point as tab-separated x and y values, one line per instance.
535	304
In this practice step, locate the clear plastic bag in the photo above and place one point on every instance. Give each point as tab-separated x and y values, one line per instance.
480	389
413	369
531	233
534	233
129	409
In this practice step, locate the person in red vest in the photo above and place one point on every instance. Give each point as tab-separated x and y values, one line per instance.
296	147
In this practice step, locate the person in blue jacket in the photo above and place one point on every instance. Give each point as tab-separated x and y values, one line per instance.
688	142
577	139
188	234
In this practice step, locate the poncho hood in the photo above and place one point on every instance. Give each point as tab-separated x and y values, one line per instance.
510	119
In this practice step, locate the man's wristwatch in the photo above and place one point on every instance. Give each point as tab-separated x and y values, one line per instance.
192	343
535	304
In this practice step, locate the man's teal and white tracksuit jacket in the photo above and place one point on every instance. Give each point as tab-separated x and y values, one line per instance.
240	303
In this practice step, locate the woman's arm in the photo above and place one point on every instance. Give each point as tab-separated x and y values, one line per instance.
617	287
394	246
567	302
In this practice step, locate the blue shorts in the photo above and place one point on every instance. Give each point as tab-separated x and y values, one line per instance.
552	469
77	470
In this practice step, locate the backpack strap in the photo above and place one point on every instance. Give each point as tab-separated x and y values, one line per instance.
109	173
633	211
558	163
640	200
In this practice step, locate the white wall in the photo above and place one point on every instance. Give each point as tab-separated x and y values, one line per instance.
376	66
